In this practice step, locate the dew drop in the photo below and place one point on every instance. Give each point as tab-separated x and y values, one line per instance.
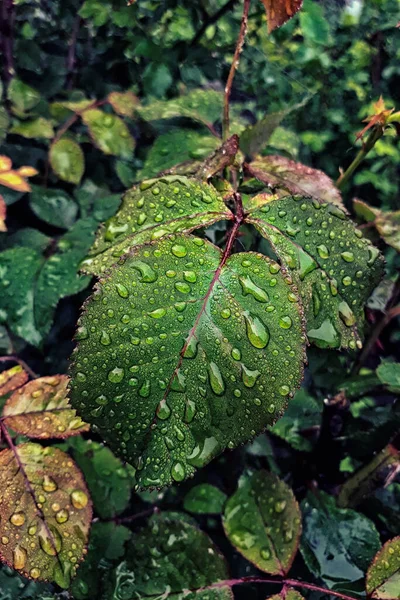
18	519
116	375
257	332
249	377
179	250
323	251
79	499
216	380
158	313
226	313
19	557
280	506
122	290
249	287
284	390
285	322
347	256
144	391
163	410
62	516
105	338
178	472
191	346
49	485
148	275
265	553
236	354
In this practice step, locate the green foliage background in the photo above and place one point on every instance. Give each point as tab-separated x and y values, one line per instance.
334	61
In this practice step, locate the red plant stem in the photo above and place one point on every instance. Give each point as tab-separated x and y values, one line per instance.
21	362
234	66
290	582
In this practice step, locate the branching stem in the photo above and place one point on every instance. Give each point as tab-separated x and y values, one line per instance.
373	137
234	66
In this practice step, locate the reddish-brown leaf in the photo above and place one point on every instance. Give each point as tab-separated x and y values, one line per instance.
12	379
280	11
45	513
281	172
379	117
41	409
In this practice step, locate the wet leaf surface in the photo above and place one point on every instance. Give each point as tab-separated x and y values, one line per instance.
204	499
12	379
334	267
337	544
189	353
263	521
45	513
151	210
173	559
383	577
41	409
109	133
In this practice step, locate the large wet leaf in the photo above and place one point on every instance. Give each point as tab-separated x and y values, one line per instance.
284	173
184	352
263	521
170	558
200	105
383	577
337	544
153	209
175	147
41	409
334	267
45	513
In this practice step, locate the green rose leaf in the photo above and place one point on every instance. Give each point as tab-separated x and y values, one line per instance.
170	558
22	96
337	544
383	576
204	106
185	351
389	375
284	173
263	521
334	267
67	160
109	480
124	103
176	147
204	499
109	133
53	206
153	209
34	128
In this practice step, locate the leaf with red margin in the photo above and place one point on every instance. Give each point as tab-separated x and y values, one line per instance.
383	575
45	512
280	11
281	172
12	379
263	521
41	409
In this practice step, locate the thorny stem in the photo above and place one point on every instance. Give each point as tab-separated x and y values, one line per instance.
21	362
234	66
373	137
289	582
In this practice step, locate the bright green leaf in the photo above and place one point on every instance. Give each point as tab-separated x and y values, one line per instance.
35	128
67	160
22	96
263	521
109	133
176	147
152	358
204	499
